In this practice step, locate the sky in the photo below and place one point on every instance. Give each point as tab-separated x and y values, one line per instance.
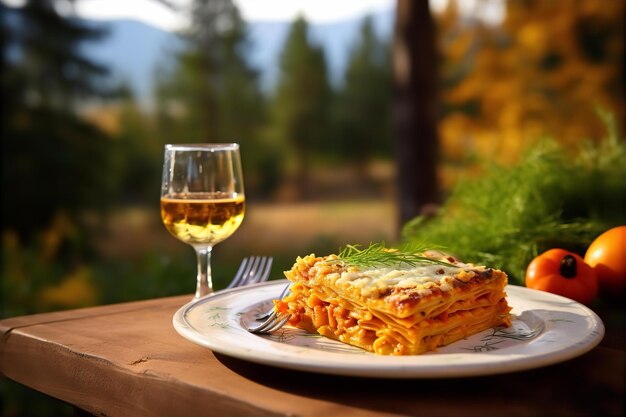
316	11
156	14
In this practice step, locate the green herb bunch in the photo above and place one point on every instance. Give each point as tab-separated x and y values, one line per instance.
555	197
377	254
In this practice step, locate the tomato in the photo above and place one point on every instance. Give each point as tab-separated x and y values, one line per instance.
564	273
607	255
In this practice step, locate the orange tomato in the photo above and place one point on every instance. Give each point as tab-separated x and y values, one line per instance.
607	256
564	273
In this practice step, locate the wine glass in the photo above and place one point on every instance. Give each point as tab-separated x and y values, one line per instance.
202	199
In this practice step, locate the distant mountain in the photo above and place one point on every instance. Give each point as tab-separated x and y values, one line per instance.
133	49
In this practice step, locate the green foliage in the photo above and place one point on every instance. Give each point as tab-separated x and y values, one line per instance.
137	155
212	94
555	197
51	159
300	107
363	104
51	71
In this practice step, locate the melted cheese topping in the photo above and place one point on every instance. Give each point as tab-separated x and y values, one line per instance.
371	282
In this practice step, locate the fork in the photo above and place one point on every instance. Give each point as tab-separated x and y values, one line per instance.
282	295
252	270
274	321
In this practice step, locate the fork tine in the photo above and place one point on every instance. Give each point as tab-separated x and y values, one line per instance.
264	275
266	324
259	262
262	272
239	275
254	272
274	322
252	269
282	295
241	278
278	324
249	270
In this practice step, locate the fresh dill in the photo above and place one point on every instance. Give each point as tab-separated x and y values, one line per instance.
377	254
555	196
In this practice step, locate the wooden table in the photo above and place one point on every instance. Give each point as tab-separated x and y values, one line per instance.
127	360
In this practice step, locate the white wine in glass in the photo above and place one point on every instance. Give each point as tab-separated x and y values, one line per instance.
202	199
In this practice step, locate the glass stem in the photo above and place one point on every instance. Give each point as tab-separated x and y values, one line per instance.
205	283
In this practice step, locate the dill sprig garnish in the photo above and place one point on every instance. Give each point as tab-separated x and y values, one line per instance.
377	254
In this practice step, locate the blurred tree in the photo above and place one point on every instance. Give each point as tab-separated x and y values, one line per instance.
537	73
51	159
139	152
415	108
212	94
300	106
54	166
364	103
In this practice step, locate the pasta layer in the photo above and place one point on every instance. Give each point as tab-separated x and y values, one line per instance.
388	311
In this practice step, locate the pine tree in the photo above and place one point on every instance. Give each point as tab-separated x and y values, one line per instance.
364	103
54	71
300	107
60	161
212	93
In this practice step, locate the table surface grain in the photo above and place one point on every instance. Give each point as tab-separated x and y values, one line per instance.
127	360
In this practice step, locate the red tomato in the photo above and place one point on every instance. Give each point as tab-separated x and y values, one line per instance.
607	256
564	273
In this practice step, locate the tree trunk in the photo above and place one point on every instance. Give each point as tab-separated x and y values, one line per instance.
415	108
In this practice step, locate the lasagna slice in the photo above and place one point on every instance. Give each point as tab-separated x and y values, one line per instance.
406	310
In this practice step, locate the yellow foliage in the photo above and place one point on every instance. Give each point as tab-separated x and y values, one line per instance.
539	73
460	45
106	118
11	266
60	229
75	290
532	38
454	144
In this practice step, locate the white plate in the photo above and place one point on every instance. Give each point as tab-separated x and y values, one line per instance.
547	329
